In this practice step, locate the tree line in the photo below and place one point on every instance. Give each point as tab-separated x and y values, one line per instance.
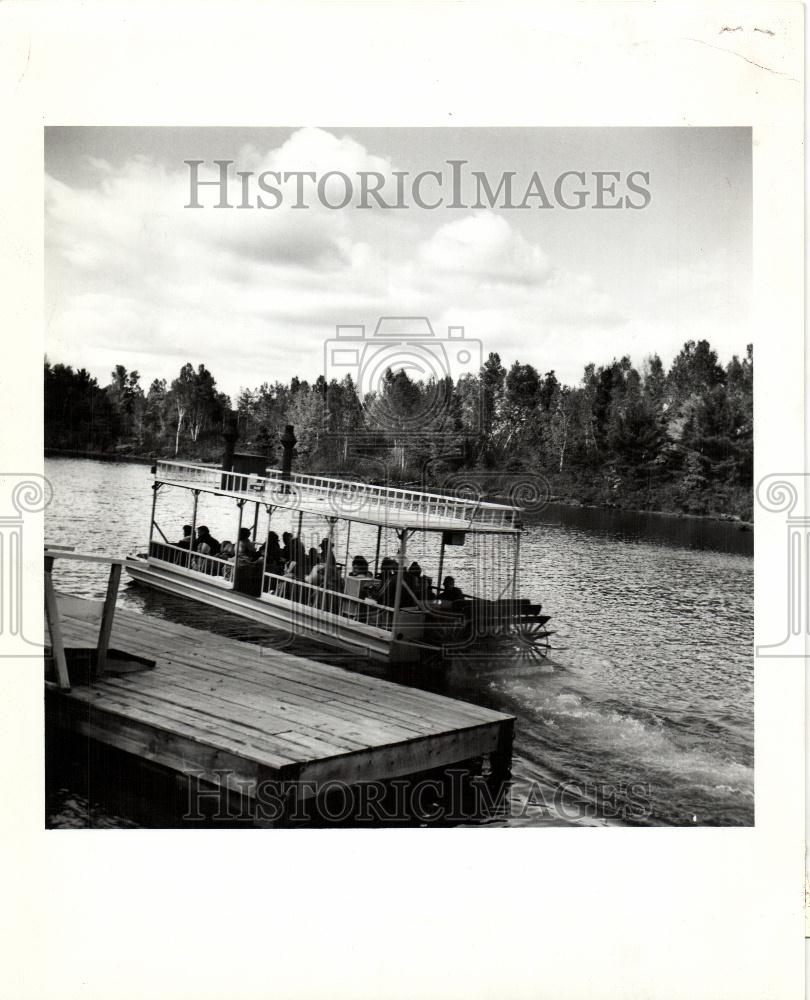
644	438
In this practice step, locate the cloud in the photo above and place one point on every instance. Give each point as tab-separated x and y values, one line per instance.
483	246
133	277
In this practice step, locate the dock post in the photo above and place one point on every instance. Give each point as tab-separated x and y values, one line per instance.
55	628
500	763
107	618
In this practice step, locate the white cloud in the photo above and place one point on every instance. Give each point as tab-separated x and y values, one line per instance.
483	246
135	278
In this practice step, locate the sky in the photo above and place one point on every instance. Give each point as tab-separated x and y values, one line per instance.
133	277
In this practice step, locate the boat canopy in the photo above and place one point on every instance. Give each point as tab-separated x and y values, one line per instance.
383	506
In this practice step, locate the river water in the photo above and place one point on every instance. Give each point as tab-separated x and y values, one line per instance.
642	713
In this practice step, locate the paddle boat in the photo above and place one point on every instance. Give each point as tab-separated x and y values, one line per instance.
301	560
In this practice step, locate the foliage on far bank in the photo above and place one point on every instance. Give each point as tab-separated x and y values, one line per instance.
647	439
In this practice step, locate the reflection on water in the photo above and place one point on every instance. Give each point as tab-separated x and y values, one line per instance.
734	537
649	687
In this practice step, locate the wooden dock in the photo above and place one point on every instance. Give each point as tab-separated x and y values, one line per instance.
246	715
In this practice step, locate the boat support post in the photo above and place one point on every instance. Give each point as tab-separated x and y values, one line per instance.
403	544
346	559
326	573
377	553
241	505
439	583
515	579
193	527
155	487
266	545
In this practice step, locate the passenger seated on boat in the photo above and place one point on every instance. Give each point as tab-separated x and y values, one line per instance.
387	593
288	587
185	541
361	584
388	570
245	546
323	576
387	566
312	560
246	572
418	585
359	566
327	550
206	545
294	551
321	571
275	560
315	579
226	551
450	592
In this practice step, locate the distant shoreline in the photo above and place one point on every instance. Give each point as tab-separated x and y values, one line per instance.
561	501
100	456
675	515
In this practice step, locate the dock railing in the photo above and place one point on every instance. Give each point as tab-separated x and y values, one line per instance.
52	553
345	498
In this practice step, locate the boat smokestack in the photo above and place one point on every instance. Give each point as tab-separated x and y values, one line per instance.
288	441
231	435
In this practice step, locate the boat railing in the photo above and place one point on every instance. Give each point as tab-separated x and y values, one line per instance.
178	557
317	597
346	498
